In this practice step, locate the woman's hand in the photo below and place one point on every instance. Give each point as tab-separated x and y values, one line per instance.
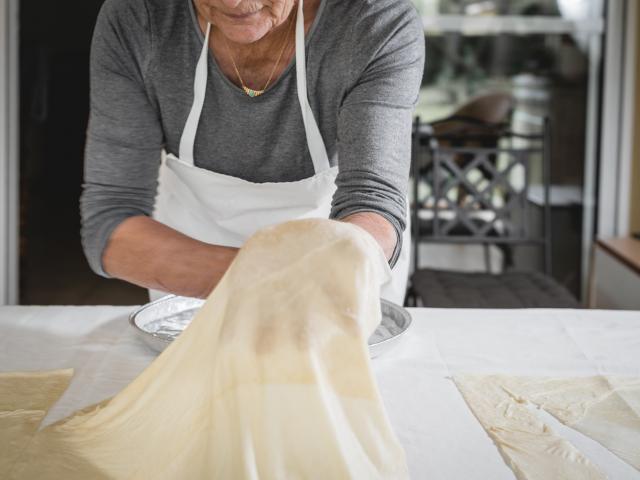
149	254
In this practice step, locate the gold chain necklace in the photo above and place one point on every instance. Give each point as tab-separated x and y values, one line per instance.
250	91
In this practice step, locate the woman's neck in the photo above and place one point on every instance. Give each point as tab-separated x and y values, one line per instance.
256	61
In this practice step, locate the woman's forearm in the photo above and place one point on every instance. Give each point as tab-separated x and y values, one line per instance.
149	254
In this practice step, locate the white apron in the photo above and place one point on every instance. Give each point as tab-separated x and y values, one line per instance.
223	210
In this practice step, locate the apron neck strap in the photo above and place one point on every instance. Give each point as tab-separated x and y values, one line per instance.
188	139
315	142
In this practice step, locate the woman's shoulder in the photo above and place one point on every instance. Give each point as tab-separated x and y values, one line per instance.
133	34
380	11
367	27
147	13
374	21
116	11
364	6
142	28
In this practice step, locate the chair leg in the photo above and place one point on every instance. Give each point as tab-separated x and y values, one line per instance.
410	298
507	258
487	257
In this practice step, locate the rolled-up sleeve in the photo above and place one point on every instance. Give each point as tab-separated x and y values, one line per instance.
374	124
124	137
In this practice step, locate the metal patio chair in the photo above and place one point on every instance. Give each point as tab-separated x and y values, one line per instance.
488	208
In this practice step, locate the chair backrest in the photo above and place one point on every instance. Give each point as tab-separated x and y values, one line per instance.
491	108
477	180
480	115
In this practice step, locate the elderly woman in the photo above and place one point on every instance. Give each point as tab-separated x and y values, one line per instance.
266	111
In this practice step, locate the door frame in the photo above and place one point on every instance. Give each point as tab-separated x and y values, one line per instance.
9	151
616	150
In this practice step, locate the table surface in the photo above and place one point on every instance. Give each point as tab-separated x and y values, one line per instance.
441	436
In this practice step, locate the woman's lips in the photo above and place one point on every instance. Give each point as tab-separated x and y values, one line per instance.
240	16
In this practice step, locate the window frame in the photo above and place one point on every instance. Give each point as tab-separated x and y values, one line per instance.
9	148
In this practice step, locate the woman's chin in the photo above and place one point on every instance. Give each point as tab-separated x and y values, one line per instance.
244	34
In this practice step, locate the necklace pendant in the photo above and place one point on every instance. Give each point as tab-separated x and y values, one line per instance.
251	92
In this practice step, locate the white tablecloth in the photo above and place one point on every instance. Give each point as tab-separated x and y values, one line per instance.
440	435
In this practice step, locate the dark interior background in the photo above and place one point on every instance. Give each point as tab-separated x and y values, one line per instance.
55	40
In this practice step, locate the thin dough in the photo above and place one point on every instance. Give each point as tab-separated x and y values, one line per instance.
529	447
25	399
271	380
606	409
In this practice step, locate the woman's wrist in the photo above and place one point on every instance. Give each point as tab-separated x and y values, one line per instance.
218	259
379	227
151	255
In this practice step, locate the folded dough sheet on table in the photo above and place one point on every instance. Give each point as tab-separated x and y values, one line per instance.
604	409
271	380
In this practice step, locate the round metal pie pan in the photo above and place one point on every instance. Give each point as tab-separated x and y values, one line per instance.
159	323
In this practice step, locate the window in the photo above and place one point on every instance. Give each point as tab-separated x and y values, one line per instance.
544	55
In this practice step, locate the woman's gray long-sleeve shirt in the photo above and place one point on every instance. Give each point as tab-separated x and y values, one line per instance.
364	67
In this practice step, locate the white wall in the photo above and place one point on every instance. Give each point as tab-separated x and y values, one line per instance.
9	141
615	286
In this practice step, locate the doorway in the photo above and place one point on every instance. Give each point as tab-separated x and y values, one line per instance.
55	40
